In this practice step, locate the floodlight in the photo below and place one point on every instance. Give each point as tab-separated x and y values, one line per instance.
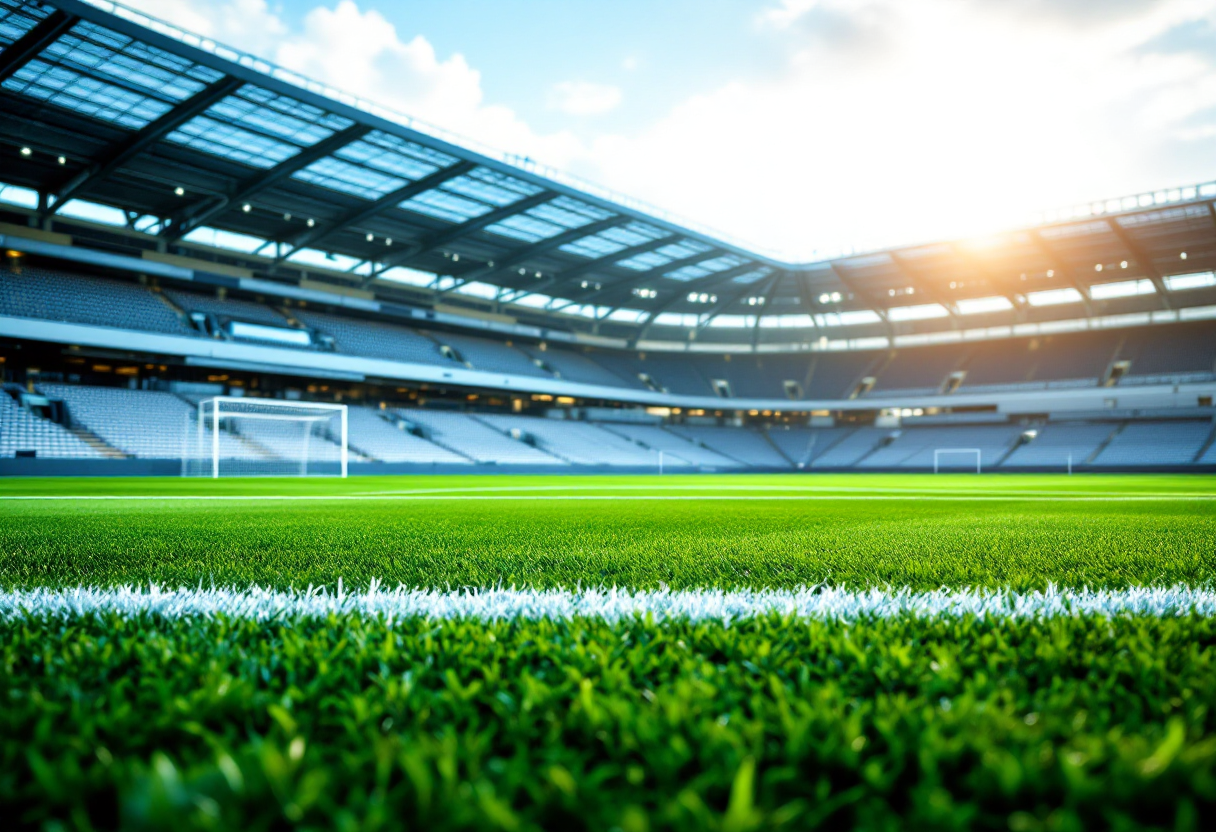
63	160
25	151
179	191
311	223
246	207
370	237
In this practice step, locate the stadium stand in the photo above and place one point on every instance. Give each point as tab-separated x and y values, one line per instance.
676	449
1054	444
803	445
376	435
914	447
581	443
376	339
917	370
468	436
228	308
1186	352
850	449
23	432
572	366
140	423
834	375
484	354
1155	443
62	296
740	444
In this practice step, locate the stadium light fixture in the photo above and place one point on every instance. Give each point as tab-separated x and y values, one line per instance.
25	151
179	191
1051	272
370	237
311	223
63	160
1183	255
246	207
287	217
1123	264
388	241
538	275
1097	267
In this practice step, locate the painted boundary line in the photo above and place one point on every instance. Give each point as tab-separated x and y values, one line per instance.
961	496
823	603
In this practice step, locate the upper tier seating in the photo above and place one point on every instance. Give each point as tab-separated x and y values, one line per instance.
835	374
1155	443
466	435
1055	442
60	296
581	443
492	356
573	366
1166	352
241	310
742	444
375	339
676	449
918	369
21	430
915	447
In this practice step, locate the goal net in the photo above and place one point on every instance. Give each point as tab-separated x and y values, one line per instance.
955	458
237	437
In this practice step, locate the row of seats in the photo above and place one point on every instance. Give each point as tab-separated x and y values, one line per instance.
157	425
1154	354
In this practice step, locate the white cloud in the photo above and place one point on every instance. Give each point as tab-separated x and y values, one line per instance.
892	120
581	98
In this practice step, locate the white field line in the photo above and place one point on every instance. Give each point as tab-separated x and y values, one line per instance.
608	604
962	495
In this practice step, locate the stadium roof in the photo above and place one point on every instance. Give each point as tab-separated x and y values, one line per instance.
197	143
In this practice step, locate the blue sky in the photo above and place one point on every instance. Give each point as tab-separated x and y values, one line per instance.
804	126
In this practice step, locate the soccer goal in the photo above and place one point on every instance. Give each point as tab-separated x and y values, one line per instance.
238	437
950	452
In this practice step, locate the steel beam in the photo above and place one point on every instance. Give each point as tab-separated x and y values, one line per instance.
122	152
601	262
702	284
1061	268
657	271
363	213
913	277
31	44
1142	259
192	216
864	296
769	291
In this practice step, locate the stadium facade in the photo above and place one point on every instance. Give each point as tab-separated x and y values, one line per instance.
180	220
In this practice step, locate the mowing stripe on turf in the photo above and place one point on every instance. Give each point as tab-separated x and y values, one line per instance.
610	604
962	495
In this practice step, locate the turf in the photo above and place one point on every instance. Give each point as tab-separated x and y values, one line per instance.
920	532
362	722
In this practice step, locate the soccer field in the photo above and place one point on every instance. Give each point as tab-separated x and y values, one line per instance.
641	653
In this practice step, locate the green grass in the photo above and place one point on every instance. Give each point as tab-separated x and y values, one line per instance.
1071	723
1027	532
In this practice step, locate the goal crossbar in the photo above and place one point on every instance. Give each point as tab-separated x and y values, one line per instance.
938	452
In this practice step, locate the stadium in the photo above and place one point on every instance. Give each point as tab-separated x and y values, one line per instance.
355	477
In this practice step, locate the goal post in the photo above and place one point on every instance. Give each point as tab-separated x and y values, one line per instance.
243	437
940	452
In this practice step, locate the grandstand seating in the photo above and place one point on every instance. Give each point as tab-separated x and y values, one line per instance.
376	339
230	308
1167	352
581	443
834	374
676	449
1155	443
21	430
918	369
493	356
743	445
466	435
375	436
140	423
573	366
847	450
61	296
1054	443
803	445
914	447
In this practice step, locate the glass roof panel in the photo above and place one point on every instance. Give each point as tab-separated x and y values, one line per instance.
613	240
342	176
525	227
706	268
752	277
446	206
645	262
203	134
682	249
395	156
262	111
17	18
490	187
100	73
